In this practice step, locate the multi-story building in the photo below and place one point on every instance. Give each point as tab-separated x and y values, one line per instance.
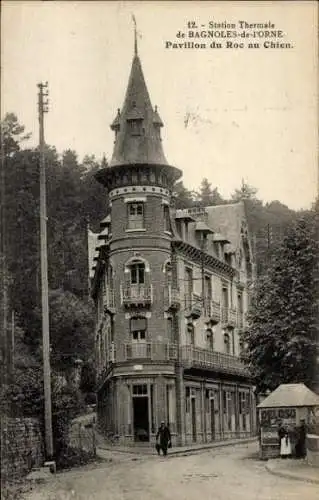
171	293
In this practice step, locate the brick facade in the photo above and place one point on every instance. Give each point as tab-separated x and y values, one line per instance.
171	292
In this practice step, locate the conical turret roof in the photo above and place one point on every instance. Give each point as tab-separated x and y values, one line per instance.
137	126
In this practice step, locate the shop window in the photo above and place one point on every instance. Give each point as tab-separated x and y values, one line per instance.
135	215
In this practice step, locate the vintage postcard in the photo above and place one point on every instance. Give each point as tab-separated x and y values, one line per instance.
159	199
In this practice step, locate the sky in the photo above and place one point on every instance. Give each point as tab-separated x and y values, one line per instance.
229	114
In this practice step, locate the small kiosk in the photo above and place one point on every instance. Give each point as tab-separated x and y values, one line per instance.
287	405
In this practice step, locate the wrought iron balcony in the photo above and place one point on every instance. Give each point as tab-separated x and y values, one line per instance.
108	300
193	306
149	351
172	299
212	310
203	358
136	295
228	317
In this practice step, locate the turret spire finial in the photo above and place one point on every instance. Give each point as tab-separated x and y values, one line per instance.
135	35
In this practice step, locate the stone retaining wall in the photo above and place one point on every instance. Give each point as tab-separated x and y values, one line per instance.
21	447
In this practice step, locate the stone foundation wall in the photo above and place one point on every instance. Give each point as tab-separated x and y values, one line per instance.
22	447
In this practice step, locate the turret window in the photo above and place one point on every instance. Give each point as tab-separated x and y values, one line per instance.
135	215
136	127
138	328
167	222
138	274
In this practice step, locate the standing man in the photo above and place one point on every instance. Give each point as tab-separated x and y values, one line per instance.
163	439
301	443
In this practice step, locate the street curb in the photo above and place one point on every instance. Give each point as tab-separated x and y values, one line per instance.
190	450
290	475
211	447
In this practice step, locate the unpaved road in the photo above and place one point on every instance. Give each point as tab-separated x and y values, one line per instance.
230	473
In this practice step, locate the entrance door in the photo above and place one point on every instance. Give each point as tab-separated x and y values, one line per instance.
193	418
141	418
212	418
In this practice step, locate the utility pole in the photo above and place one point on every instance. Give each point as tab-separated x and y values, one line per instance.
3	270
43	108
179	370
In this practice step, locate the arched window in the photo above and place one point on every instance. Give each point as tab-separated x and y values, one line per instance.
137	284
227	343
137	273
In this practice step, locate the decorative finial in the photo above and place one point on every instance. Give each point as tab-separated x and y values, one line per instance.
135	35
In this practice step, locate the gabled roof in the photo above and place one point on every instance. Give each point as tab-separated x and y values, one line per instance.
221	238
290	395
227	220
201	226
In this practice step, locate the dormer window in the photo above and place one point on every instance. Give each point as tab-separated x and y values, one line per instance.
228	259
135	127
216	249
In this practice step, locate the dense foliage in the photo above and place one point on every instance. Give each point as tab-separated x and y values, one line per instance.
282	338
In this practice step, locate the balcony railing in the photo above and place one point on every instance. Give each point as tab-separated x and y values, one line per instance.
149	351
193	305
108	300
212	310
136	295
190	356
172	298
228	317
203	358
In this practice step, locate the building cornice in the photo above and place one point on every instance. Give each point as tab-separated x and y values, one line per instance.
198	255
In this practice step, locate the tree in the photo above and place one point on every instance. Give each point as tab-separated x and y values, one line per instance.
282	336
12	134
208	196
71	329
246	192
183	197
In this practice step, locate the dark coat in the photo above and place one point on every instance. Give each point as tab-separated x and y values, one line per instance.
164	436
